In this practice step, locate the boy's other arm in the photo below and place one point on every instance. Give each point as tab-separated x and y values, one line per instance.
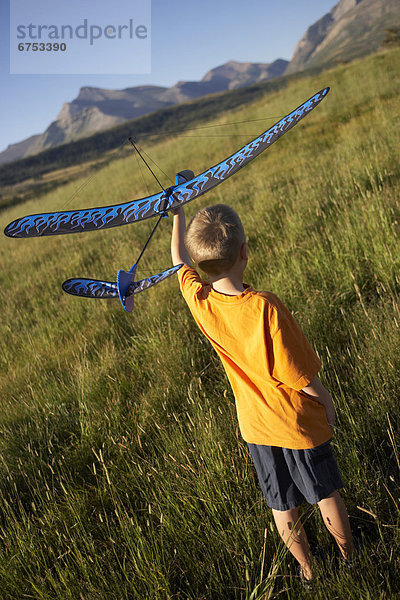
316	390
179	252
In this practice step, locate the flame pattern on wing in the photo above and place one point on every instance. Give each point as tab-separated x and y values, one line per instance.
95	288
137	210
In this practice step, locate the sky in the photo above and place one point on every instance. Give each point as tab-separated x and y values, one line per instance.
184	40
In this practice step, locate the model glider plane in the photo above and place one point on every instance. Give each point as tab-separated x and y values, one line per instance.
187	187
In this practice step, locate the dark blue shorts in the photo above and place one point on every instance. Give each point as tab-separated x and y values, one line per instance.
288	477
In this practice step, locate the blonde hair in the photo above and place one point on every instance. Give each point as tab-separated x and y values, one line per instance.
214	237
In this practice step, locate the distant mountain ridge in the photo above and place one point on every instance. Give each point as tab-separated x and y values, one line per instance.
353	28
96	109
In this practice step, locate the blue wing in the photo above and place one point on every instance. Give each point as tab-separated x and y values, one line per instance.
90	219
90	288
95	288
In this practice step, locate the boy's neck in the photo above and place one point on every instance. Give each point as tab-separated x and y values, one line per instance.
232	286
231	282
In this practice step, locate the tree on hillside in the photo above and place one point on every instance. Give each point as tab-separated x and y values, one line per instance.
392	37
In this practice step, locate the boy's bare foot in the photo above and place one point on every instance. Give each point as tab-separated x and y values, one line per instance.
348	554
306	573
306	578
348	559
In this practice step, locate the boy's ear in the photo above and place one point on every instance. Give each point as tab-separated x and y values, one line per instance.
243	251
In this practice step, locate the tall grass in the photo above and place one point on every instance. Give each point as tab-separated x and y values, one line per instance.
123	474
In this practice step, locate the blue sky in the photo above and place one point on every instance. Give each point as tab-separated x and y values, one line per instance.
188	38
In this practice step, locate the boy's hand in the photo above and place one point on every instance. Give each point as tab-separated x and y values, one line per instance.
177	210
316	390
331	416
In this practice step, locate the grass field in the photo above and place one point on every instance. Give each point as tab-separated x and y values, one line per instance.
123	474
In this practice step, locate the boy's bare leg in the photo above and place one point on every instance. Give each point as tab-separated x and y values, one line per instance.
335	517
292	533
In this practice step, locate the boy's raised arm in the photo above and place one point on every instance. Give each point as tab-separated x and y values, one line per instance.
179	252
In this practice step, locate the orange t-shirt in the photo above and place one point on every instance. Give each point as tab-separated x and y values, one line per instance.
267	359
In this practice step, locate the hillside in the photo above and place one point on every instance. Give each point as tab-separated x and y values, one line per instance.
37	173
123	472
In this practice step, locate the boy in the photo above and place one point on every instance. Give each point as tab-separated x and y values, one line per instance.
285	414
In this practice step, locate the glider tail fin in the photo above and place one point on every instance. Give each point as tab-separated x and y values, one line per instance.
124	280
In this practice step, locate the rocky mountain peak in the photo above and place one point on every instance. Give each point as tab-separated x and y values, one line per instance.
353	28
343	7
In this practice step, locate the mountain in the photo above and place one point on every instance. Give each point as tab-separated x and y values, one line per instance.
21	149
350	30
96	109
229	76
353	28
